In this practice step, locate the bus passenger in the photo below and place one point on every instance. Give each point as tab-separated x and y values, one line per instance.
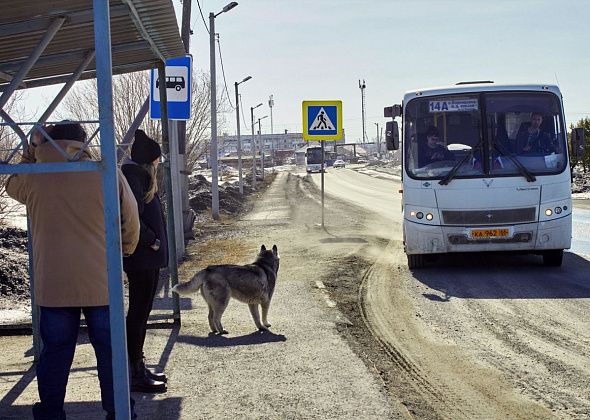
532	139
432	150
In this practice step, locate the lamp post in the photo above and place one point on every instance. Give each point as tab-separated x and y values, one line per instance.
214	174
241	181
261	143
253	144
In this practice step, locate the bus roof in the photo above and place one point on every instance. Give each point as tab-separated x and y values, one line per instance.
479	87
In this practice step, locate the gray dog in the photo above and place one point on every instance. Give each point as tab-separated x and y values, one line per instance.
253	284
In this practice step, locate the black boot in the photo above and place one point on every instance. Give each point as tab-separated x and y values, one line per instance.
155	375
141	382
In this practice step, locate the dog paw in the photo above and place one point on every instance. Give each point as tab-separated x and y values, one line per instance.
223	332
267	325
262	328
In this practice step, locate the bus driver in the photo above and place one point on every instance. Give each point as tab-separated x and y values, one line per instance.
432	150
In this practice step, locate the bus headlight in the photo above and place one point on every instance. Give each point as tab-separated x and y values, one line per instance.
429	216
557	210
548	212
419	215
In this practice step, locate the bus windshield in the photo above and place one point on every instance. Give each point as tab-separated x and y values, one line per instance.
484	135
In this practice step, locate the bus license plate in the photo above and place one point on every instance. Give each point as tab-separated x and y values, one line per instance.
490	233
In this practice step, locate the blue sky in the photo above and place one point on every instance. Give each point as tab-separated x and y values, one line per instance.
312	50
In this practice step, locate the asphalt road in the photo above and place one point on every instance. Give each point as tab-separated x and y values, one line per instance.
478	335
381	196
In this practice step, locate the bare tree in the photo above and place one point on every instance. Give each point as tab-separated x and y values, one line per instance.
129	93
8	141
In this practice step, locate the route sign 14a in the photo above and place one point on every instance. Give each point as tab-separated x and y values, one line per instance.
322	120
178	89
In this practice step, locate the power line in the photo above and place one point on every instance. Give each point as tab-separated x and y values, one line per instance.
223	72
242	109
202	17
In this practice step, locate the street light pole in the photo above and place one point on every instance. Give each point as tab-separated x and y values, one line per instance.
213	152
241	180
253	145
213	146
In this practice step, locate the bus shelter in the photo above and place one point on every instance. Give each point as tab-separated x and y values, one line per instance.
59	42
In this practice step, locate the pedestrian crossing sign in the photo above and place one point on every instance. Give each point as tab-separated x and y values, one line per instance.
322	120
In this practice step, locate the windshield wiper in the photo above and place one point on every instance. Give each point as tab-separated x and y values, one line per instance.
521	168
455	168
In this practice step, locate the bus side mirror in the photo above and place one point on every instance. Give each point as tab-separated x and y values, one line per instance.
578	143
392	111
391	135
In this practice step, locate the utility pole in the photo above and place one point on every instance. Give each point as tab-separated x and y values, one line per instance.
187	215
261	143
362	88
271	103
381	138
378	144
253	144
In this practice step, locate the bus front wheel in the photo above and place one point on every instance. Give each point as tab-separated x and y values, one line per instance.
553	258
416	261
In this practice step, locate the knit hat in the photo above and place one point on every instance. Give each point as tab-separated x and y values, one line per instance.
67	130
144	149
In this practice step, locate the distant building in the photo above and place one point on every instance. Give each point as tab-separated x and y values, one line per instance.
228	145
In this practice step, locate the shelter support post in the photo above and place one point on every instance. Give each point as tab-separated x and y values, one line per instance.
112	219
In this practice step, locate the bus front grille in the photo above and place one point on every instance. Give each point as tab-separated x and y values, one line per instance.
488	217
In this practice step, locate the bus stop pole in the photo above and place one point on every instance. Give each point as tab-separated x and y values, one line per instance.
322	172
172	256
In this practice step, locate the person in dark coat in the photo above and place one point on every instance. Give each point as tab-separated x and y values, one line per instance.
143	266
532	139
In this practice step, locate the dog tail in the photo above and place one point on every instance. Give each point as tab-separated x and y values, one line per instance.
193	285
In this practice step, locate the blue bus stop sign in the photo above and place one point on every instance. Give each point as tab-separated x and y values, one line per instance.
178	89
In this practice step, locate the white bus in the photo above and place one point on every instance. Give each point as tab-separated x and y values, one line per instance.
485	168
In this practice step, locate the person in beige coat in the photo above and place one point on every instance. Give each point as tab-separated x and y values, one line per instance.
66	212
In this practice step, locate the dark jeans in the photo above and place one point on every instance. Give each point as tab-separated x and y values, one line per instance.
59	332
142	290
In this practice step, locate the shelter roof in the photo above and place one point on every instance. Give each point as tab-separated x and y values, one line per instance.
142	32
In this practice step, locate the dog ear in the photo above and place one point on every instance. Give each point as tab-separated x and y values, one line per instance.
262	248
275	250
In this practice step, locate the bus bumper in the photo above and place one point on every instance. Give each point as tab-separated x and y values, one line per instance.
432	239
